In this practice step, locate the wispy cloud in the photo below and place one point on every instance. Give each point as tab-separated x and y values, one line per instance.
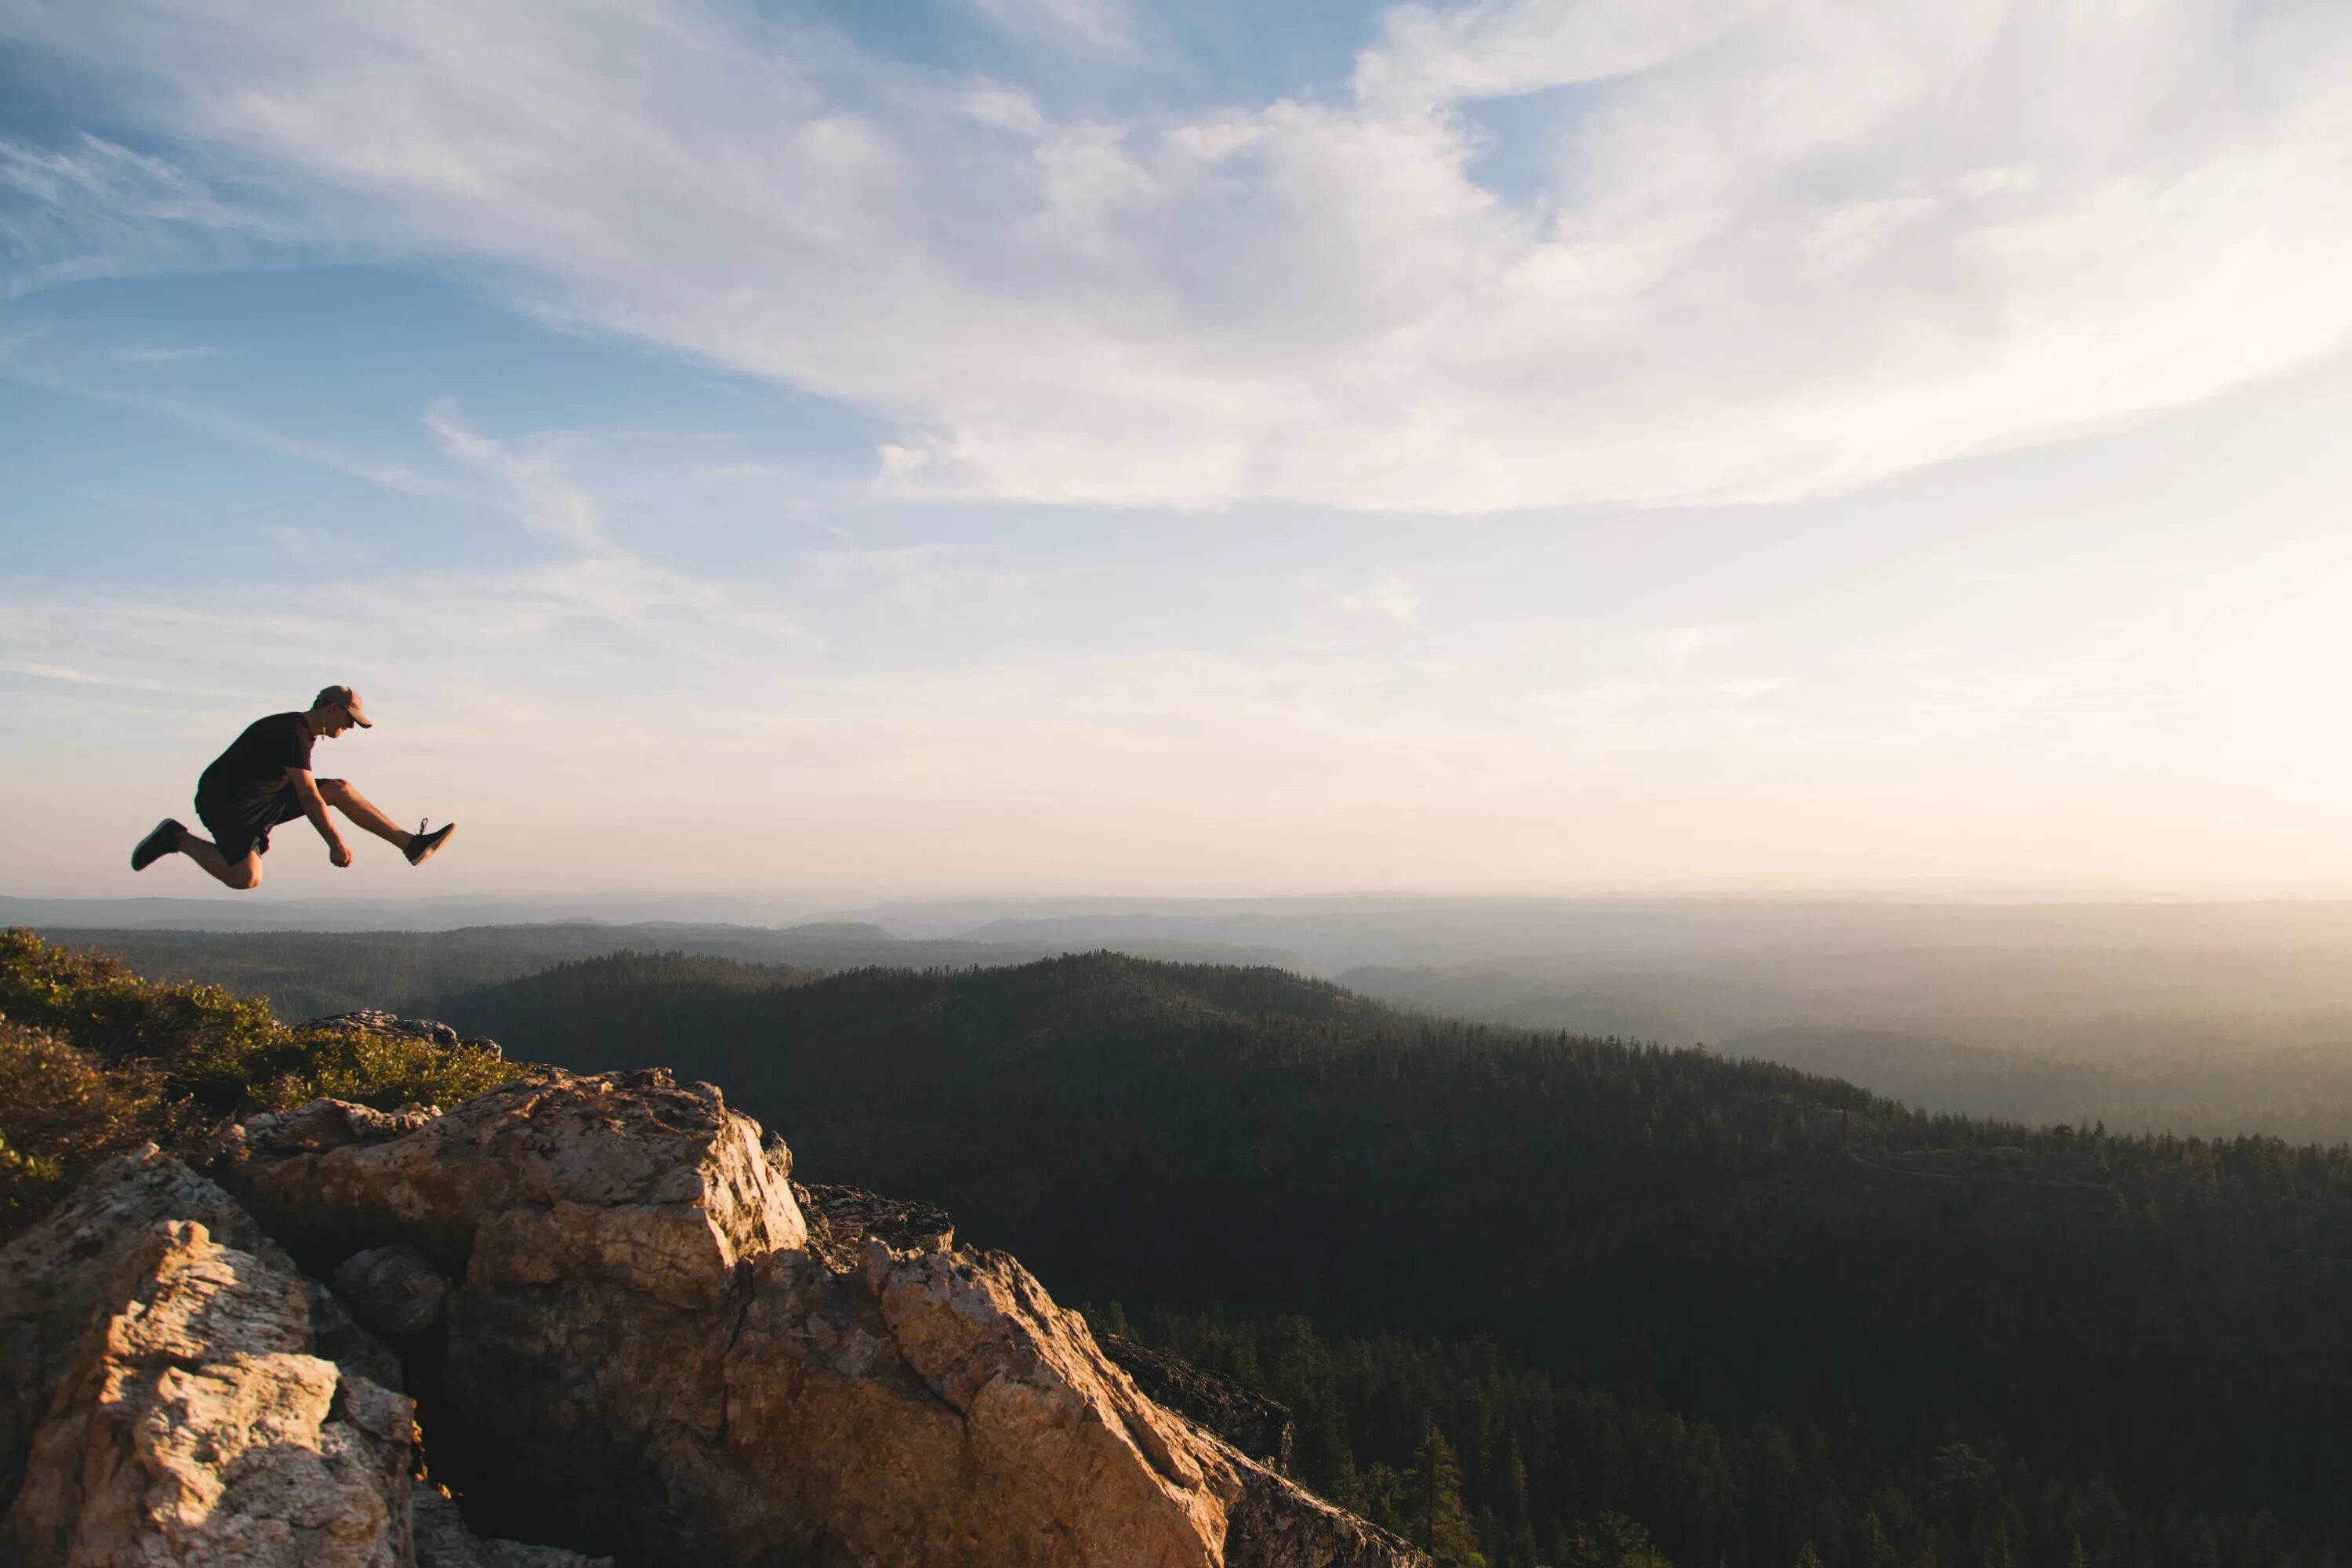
924	578
308	545
90	208
219	422
69	676
1679	647
598	576
591	578
1781	248
537	490
165	354
1103	27
1387	595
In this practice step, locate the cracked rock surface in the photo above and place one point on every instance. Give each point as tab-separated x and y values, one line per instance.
170	1402
619	1331
175	1391
647	1353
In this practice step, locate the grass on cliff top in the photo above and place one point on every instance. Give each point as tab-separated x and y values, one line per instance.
94	1059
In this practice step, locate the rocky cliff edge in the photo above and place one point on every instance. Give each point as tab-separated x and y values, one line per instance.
597	1311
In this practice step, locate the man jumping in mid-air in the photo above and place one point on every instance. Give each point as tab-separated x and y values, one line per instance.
263	780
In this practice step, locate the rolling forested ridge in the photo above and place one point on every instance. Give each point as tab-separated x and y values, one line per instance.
308	974
1993	1312
1537	1299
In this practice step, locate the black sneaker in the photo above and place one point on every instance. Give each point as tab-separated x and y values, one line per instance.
164	840
421	847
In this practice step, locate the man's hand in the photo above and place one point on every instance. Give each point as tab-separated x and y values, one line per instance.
314	807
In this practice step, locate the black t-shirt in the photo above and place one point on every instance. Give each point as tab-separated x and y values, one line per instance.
257	761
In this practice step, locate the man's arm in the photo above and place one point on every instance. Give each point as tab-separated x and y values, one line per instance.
314	807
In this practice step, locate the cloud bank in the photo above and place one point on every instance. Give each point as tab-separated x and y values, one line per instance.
1746	251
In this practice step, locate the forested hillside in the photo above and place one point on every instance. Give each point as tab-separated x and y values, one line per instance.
2160	1040
308	974
1734	1237
1473	1449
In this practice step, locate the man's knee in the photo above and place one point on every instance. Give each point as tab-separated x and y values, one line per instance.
333	789
245	874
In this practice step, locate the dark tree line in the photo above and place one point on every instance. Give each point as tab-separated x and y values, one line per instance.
309	974
1475	1452
1741	1239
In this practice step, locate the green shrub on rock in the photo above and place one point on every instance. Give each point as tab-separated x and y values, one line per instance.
200	1039
382	1071
94	1058
60	1113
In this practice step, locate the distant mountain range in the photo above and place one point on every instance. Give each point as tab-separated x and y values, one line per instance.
249	911
311	973
2193	1018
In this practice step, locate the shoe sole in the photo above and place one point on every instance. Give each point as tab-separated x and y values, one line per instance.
137	863
446	834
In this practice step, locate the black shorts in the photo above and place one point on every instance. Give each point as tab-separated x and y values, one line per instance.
240	826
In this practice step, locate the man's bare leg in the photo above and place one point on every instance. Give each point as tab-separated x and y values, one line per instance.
339	793
241	875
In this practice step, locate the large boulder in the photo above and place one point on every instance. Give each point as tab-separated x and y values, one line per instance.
175	1391
628	1339
626	1178
172	1397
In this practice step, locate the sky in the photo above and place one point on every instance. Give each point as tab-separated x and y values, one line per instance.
1065	446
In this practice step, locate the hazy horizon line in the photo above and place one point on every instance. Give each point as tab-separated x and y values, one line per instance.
820	901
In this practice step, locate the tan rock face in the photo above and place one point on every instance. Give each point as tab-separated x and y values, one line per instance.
193	1424
627	1176
63	1278
625	1337
644	1354
175	1391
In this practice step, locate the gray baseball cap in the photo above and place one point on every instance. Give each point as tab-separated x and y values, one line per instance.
344	697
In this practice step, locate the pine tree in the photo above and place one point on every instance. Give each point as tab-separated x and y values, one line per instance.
1616	1542
1435	1520
1880	1551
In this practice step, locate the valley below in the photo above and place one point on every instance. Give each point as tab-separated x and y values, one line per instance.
1528	1292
